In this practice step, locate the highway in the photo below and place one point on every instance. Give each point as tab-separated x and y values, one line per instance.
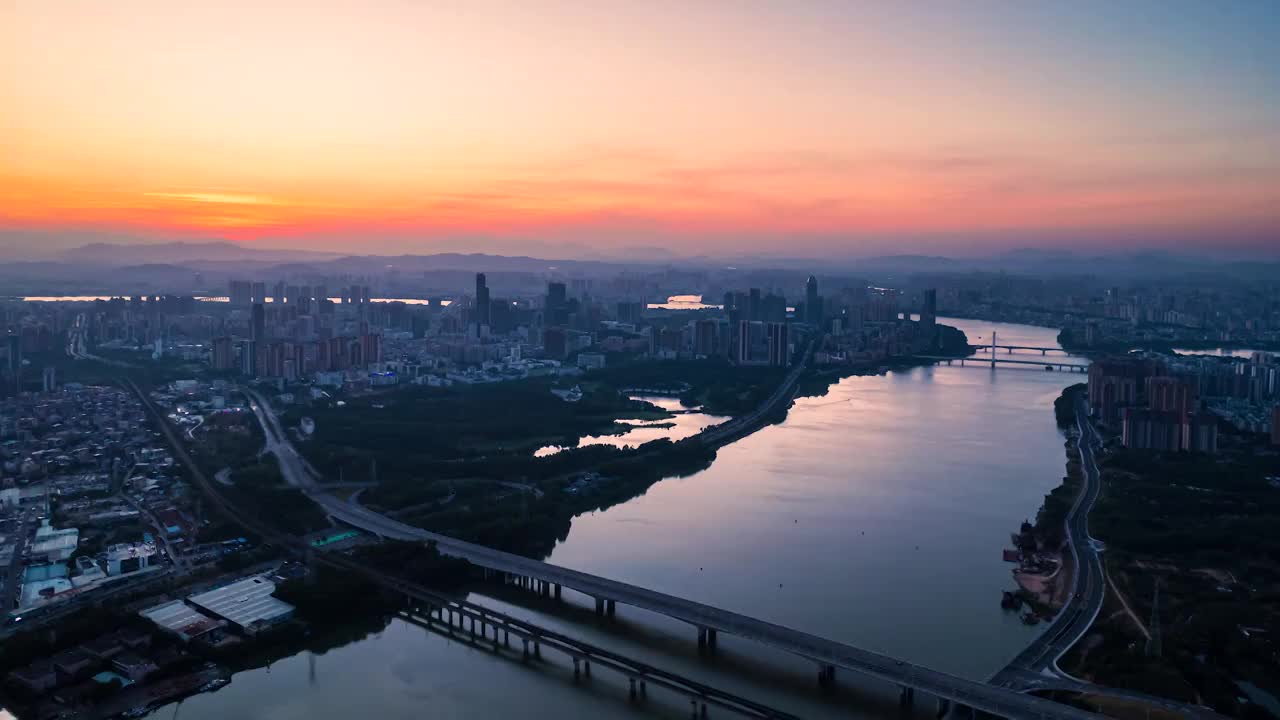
824	653
13	573
1088	587
726	432
1036	667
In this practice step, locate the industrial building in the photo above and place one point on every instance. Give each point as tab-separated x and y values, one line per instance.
181	620
247	604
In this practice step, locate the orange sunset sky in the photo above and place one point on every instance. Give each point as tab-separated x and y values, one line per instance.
704	127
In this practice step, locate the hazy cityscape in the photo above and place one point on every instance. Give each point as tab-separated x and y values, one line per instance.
564	360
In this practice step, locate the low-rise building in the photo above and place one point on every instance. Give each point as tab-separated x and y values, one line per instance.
248	604
38	677
133	666
182	620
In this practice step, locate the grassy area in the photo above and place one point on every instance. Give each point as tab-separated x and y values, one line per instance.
415	427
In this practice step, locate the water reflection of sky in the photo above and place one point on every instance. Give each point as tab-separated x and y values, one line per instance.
889	498
683	424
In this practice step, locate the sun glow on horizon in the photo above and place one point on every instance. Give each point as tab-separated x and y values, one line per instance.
707	126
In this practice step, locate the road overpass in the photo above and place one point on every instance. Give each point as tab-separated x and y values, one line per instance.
459	617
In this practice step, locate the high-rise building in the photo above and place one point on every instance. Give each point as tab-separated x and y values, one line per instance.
556	311
630	312
1170	394
483	314
779	334
929	310
249	358
258	292
762	343
753	305
223	356
773	308
1116	383
240	292
50	379
1168	431
555	342
15	352
258	323
1200	432
705	337
1275	425
812	302
371	348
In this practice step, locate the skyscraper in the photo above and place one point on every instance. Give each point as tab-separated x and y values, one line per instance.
929	315
483	308
812	303
240	292
258	323
257	341
223	356
556	311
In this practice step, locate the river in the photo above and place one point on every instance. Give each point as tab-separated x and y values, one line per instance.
874	515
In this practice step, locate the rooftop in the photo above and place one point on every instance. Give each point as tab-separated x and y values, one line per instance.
181	619
246	602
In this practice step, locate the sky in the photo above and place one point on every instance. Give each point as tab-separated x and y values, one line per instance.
716	127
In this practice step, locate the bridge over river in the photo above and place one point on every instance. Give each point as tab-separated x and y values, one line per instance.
547	579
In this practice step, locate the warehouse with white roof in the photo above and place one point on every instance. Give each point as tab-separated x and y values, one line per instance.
246	603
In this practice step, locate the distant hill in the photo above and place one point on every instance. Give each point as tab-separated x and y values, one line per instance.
184	253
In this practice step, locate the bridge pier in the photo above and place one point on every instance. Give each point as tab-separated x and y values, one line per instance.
609	608
702	638
586	667
524	654
557	591
907	696
631	695
575	670
944	706
711	639
599	606
826	676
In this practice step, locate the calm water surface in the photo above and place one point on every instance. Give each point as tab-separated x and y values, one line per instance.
685	422
874	515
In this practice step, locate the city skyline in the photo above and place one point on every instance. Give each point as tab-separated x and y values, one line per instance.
822	130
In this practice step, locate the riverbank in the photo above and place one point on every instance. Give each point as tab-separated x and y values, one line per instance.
754	532
1045	571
